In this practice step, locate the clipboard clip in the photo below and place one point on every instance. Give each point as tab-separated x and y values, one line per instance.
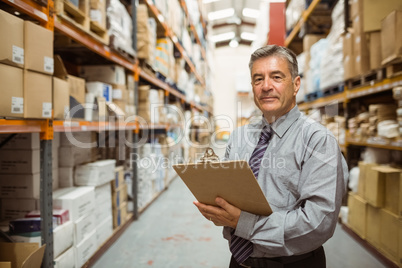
209	156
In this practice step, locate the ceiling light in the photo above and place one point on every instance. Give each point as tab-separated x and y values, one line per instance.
252	13
222	37
221	14
209	1
234	43
248	36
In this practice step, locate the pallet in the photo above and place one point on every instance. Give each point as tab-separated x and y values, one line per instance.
78	16
394	69
333	90
312	96
99	31
366	79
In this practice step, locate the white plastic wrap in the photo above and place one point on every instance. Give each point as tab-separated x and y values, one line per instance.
120	26
317	51
354	179
293	13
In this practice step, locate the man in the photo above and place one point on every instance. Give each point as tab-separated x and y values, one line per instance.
300	169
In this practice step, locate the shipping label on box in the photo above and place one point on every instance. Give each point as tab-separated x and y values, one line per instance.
19	161
20	186
100	89
12	91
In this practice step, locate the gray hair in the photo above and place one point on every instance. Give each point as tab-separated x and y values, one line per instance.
274	50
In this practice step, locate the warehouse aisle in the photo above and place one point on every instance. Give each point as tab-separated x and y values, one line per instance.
172	234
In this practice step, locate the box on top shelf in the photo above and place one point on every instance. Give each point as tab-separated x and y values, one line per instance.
375	50
37	95
61	98
391	30
12	91
12	47
348	55
97	12
38	47
372	12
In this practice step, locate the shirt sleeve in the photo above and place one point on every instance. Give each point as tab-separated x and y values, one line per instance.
322	185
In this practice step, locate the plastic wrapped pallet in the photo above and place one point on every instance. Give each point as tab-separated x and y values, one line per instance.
317	53
332	72
120	27
293	13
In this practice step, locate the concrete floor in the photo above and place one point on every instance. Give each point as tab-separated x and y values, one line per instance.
172	233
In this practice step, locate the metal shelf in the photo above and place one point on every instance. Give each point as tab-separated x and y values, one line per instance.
32	9
304	17
336	98
192	27
75	126
384	85
22	126
175	40
91	43
389	145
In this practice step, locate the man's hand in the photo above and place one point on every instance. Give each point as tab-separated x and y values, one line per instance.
223	215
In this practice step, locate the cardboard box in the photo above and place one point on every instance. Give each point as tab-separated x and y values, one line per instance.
363	173
24	141
37	95
356	7
14	208
103	209
66	177
389	235
357	214
104	230
391	30
373	226
12	47
374	191
110	74
103	193
393	189
20	186
38	45
120	215
66	260
375	11
348	55
22	255
375	50
12	91
95	174
80	201
361	53
72	156
63	238
19	161
76	88
85	249
118	178
119	197
83	226
88	138
61	98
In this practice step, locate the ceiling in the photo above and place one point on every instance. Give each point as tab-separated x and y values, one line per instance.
236	23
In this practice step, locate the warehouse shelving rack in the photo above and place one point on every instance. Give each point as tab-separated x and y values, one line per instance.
369	89
47	18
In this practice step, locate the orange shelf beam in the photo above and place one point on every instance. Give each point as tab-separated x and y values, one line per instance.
75	126
22	126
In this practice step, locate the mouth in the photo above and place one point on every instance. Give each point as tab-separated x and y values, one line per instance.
267	98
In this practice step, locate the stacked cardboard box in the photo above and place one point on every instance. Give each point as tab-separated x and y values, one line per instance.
164	60
390	30
375	210
80	202
150	104
103	213
146	35
20	175
119	197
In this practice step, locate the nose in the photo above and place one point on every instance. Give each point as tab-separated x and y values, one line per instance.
267	85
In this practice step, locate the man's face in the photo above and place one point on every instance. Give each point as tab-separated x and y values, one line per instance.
273	88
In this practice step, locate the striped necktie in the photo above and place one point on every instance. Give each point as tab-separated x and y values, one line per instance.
242	248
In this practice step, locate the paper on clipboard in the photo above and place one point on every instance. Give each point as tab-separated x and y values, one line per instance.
234	181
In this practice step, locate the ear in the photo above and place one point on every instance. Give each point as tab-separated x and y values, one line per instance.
296	85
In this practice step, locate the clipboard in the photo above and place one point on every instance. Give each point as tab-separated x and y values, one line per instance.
234	181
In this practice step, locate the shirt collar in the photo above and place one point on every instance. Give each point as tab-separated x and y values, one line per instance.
283	123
